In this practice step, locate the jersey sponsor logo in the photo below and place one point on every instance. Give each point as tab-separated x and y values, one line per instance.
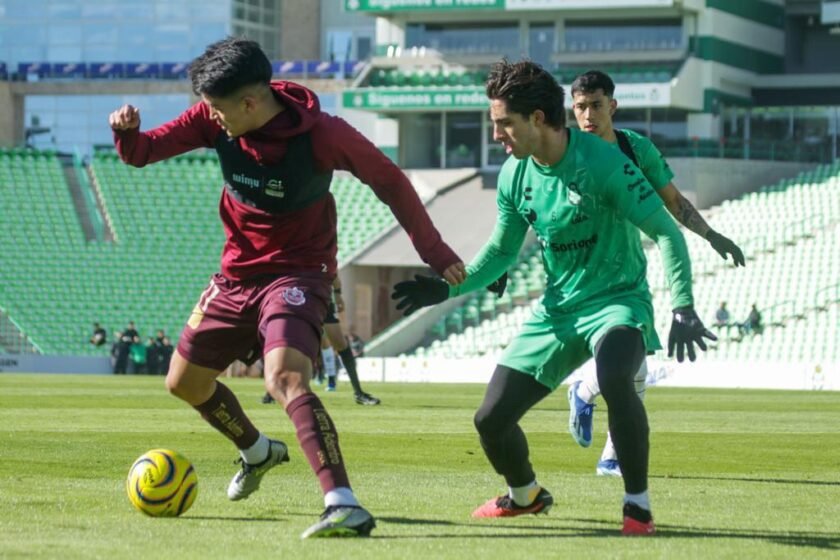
628	169
247	181
294	296
575	245
274	188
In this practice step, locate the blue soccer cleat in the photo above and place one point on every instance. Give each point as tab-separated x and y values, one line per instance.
580	417
608	467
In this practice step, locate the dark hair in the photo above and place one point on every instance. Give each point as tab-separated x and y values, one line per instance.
228	65
592	81
526	87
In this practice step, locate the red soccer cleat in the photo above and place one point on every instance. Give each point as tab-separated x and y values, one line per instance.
637	521
504	506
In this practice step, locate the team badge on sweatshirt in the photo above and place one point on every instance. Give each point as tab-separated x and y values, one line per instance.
294	296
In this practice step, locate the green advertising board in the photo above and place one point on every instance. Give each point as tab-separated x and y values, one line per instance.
415	99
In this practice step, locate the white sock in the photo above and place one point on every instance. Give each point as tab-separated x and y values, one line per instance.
258	452
588	388
640	500
341	496
524	495
609	450
640	380
329	361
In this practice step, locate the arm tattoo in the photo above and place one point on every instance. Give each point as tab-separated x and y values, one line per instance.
687	215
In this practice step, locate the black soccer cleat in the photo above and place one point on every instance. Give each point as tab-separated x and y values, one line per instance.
366	399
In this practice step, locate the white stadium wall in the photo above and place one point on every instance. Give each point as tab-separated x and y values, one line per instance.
808	376
811	376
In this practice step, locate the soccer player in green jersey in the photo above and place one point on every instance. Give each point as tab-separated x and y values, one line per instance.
585	201
594	106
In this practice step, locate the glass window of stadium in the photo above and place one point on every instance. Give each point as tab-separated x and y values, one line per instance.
634	119
420	140
69	122
637	35
541	38
463	139
67	31
783	133
440	140
500	38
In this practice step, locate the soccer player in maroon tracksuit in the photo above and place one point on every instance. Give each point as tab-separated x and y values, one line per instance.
277	152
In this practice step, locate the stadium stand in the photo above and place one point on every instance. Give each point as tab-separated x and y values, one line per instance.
790	232
163	218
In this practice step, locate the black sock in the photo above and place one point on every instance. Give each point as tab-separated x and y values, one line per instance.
349	361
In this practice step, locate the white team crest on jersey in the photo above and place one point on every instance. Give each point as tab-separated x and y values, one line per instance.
294	296
573	193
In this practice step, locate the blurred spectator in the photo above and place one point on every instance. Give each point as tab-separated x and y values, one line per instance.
753	325
99	336
165	355
152	355
137	364
130	334
119	354
722	318
157	356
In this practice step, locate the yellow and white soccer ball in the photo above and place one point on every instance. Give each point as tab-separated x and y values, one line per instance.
162	483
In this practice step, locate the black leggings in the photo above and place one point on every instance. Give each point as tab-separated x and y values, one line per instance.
510	394
617	359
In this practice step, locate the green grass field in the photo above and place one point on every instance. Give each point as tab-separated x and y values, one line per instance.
734	474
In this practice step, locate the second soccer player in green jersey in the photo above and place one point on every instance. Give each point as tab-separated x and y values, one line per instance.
585	202
594	106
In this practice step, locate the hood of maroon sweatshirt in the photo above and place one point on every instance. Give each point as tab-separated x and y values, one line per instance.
302	111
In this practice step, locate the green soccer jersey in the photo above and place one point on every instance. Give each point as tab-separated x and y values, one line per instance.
653	164
584	211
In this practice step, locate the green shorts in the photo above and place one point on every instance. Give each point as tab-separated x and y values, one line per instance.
551	347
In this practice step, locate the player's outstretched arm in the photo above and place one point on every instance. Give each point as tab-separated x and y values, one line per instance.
192	129
686	327
686	214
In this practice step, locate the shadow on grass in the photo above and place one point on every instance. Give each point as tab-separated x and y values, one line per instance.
600	528
228	518
745	479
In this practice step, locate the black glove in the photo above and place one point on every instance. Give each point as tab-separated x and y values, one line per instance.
686	330
724	245
498	287
420	292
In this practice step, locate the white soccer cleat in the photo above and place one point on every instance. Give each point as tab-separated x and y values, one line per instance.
342	521
247	480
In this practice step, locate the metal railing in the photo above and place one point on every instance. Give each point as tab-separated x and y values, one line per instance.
13	340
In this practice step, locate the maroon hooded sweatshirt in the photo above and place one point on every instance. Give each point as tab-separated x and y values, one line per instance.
261	242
